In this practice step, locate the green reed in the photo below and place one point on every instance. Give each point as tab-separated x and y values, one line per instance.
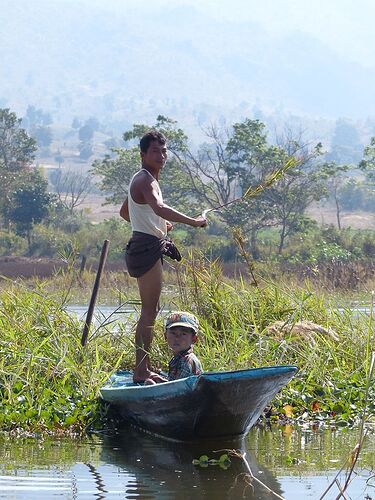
48	382
236	319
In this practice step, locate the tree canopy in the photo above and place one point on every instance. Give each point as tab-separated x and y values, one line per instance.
16	154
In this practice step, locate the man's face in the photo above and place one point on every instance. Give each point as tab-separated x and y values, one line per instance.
155	156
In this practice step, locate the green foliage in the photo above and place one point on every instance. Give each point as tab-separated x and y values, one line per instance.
12	244
29	203
177	139
115	173
236	322
16	153
42	135
47	241
89	239
346	147
367	165
223	462
357	195
329	244
47	382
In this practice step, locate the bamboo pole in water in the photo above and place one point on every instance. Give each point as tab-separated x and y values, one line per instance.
90	311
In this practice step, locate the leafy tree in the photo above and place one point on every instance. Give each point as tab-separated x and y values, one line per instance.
86	133
336	180
281	204
36	118
29	203
367	164
220	171
357	195
292	195
43	136
116	173
16	154
346	147
85	150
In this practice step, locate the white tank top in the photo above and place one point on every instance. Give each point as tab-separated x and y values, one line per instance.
142	217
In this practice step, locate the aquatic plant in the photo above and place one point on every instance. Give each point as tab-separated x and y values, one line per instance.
241	329
47	381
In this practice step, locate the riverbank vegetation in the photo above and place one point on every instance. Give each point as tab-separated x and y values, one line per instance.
260	285
41	215
48	382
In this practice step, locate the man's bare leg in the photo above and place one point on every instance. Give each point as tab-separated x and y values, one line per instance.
149	286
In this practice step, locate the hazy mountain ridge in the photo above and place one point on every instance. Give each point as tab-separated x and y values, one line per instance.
71	60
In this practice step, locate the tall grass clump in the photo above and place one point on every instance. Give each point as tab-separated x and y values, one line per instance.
47	380
246	326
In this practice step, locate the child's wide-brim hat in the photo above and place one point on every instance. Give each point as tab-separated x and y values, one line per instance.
185	319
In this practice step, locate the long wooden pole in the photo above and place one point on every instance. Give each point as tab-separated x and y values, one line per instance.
90	312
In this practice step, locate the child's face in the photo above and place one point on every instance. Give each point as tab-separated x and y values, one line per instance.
179	338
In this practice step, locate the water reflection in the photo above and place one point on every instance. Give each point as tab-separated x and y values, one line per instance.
165	470
128	465
294	463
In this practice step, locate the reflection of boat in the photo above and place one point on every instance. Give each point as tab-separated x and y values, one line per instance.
217	404
163	469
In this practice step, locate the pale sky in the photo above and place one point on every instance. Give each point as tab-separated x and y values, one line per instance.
346	26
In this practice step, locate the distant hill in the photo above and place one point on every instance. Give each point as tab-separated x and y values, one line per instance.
129	64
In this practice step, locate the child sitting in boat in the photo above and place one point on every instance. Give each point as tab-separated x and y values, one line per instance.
181	333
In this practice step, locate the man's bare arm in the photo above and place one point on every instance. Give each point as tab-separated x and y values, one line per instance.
152	198
124	210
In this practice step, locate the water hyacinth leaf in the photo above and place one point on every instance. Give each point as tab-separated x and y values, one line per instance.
288	410
70	420
224	458
224	465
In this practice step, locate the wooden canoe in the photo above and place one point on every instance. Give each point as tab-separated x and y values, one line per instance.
211	405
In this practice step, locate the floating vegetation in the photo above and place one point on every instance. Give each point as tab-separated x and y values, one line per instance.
49	383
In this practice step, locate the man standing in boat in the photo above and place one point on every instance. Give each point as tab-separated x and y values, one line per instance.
150	219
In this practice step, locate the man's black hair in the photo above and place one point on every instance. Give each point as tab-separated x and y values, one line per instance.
149	137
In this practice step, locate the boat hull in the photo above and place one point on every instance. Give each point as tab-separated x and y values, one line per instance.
217	404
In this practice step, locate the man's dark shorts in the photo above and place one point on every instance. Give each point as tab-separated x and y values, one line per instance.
144	250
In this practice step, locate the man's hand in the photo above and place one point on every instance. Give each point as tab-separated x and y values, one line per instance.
169	226
200	221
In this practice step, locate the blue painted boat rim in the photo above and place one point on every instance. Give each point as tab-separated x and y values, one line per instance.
124	387
122	381
265	371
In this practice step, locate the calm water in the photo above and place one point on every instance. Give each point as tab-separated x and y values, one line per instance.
294	463
113	314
